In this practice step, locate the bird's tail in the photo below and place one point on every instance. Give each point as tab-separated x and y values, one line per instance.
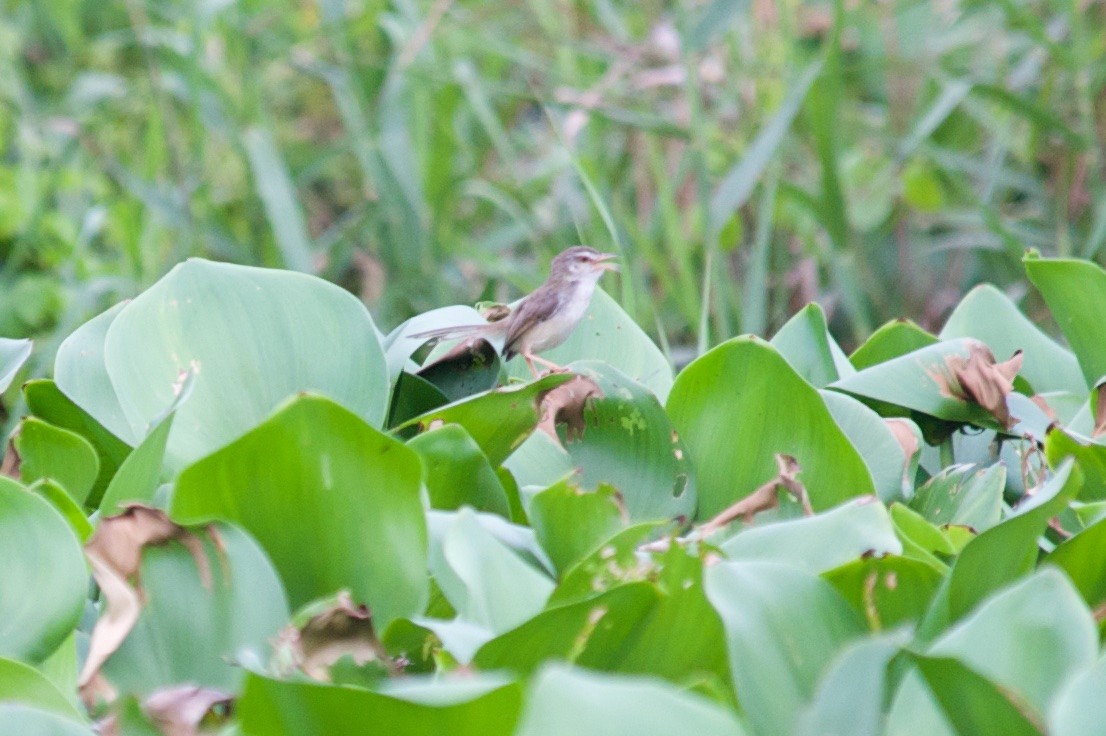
456	331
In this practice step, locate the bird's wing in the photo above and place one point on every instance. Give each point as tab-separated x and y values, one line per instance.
535	309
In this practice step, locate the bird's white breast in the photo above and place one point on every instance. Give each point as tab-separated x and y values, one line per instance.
554	331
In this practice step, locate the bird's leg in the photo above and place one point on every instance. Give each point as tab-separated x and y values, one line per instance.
531	359
530	364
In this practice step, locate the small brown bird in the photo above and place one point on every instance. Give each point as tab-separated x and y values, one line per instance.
546	317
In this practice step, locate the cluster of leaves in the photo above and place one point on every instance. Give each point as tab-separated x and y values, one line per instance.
747	156
298	525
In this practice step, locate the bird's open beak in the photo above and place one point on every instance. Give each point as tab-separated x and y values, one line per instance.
607	266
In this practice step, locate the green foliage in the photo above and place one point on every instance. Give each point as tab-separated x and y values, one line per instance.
762	553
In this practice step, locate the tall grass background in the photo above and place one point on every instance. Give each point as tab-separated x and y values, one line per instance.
744	156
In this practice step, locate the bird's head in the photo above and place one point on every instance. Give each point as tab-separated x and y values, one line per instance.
582	263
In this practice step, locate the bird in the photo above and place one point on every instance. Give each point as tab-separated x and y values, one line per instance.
547	316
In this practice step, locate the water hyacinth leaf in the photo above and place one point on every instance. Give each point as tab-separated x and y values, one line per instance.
471	367
557	632
738	406
1029	638
399	346
921	540
253	337
821	542
964	495
64	504
81	374
458	473
804	341
21	683
13	354
886	591
1000	555
850	698
51	452
412	396
971	703
499	420
989	316
623	437
198	630
47	402
485	581
892	340
1075	292
539	462
35	538
566	701
777	658
607	334
618	560
1078	709
332	501
1089	456
1083	558
874	439
571	522
274	708
921	380
26	720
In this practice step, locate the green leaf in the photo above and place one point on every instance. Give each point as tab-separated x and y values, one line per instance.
914	381
1078	709
1001	554
27	721
804	341
499	420
989	316
570	522
566	701
458	473
609	335
333	502
399	346
412	396
887	591
273	708
739	405
628	442
278	195
197	630
874	440
139	477
52	452
964	495
47	402
850	698
34	538
485	581
972	704
21	683
253	337
1075	292
1028	638
777	657
1089	456
64	504
1083	558
892	340
13	354
821	542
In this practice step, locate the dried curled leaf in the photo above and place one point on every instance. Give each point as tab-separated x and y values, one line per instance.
765	497
9	466
565	405
1099	412
981	380
115	554
341	629
180	710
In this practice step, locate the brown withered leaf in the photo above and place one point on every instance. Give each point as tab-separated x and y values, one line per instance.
565	405
765	497
342	629
115	554
1044	406
11	462
980	379
907	440
180	710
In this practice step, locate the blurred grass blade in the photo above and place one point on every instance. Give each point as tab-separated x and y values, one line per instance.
278	195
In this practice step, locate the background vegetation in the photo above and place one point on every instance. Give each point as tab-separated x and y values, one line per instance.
745	156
